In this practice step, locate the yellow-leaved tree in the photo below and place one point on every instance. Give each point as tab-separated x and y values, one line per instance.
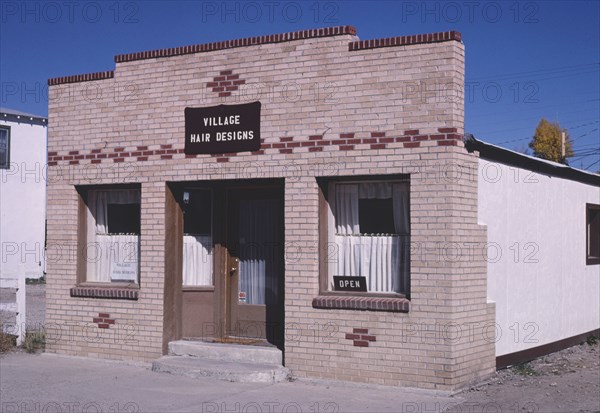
546	142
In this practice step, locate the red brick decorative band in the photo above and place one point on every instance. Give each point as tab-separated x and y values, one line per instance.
405	40
411	138
398	305
105	292
81	78
229	44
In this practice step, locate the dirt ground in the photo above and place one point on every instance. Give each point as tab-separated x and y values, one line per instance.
566	381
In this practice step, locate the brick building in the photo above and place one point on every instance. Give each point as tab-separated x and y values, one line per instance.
246	222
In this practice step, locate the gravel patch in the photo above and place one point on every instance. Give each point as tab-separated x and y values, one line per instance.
565	381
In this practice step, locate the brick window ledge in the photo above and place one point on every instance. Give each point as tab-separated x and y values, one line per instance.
390	304
105	292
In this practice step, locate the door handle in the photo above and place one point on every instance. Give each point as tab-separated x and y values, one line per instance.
233	268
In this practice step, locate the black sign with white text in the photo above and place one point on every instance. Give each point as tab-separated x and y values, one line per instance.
349	283
222	129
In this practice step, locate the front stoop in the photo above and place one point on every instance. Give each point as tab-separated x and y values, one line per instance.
226	352
196	367
230	362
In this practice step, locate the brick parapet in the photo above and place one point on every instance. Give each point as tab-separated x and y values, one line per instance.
266	39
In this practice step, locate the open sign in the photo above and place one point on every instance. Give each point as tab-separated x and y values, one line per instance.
343	283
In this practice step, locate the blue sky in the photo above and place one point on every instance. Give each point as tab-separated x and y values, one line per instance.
524	59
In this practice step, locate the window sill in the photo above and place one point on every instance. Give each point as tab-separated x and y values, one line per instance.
120	293
397	305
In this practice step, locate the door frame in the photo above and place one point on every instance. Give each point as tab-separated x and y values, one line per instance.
229	296
173	293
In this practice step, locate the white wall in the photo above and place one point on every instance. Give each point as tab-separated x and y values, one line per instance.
23	202
542	287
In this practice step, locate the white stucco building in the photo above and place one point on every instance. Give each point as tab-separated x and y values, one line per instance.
22	193
543	252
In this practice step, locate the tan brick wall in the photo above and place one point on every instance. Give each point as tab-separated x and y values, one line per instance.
307	87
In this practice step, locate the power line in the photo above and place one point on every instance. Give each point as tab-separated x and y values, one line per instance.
513	140
524	83
584	124
586	147
590	165
580	157
534	107
550	70
585	134
590	150
535	117
585	155
529	137
567	75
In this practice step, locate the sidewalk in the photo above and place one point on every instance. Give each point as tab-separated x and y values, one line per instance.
49	383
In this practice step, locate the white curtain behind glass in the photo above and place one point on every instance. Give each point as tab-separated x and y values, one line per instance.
197	260
111	256
259	245
400	202
197	241
382	258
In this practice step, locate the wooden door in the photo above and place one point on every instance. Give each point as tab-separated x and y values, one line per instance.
255	265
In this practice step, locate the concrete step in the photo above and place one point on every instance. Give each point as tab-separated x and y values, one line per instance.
195	367
227	352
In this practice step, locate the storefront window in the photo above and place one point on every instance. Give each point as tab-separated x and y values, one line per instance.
197	238
112	251
369	228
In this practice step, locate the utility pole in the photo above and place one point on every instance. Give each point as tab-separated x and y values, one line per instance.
562	145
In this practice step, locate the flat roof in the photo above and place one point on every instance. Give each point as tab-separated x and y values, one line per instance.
17	116
508	157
